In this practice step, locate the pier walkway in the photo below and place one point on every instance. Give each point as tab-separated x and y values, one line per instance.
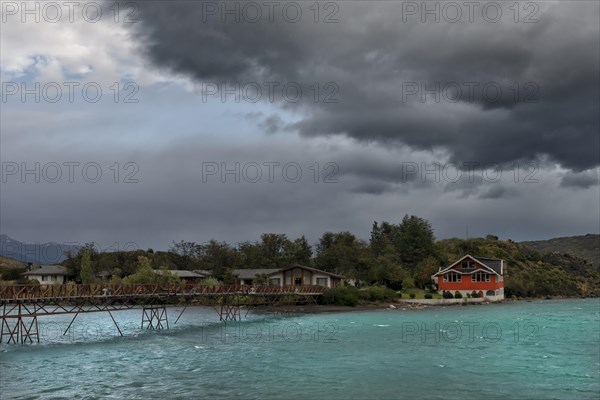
21	305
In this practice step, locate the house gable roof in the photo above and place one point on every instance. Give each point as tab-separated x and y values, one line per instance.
492	264
181	273
251	273
48	270
319	271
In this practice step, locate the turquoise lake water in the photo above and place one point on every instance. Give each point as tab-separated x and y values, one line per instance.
515	350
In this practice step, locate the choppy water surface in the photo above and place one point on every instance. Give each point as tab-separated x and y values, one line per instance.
518	350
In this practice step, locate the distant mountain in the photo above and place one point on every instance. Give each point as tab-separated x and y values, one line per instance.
586	247
37	253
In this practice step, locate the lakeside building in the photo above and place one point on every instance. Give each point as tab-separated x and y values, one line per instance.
47	274
184	275
294	275
482	275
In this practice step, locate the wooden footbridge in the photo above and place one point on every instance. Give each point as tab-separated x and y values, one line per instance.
21	305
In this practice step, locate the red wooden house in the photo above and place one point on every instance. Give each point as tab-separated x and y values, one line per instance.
482	275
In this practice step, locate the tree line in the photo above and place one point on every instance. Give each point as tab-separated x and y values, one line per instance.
400	255
396	255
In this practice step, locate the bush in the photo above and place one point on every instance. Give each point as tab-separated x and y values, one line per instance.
474	294
412	295
341	296
447	295
428	296
26	281
377	294
457	295
145	275
13	274
408	283
210	281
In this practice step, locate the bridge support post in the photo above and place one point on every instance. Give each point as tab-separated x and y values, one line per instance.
153	317
19	327
230	312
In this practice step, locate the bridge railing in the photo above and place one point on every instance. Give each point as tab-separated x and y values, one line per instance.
83	290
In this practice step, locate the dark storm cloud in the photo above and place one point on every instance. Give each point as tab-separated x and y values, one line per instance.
581	180
375	188
376	59
498	192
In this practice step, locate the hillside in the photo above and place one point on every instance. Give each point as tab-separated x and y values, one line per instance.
531	273
11	262
586	247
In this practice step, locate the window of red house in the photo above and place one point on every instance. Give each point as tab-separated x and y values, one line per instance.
480	276
452	277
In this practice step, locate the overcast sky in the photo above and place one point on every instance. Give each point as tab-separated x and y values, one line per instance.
228	120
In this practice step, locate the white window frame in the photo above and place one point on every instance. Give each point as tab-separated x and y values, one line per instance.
326	282
481	276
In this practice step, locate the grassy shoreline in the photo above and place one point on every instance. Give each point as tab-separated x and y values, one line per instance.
403	306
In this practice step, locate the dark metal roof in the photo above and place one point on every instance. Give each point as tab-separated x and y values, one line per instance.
181	273
251	273
47	270
320	271
493	263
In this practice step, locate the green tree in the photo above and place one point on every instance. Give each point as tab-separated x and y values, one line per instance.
73	259
384	238
116	277
250	255
166	276
71	263
415	241
387	271
341	253
425	269
218	257
303	251
277	250
187	254
144	275
408	283
87	274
